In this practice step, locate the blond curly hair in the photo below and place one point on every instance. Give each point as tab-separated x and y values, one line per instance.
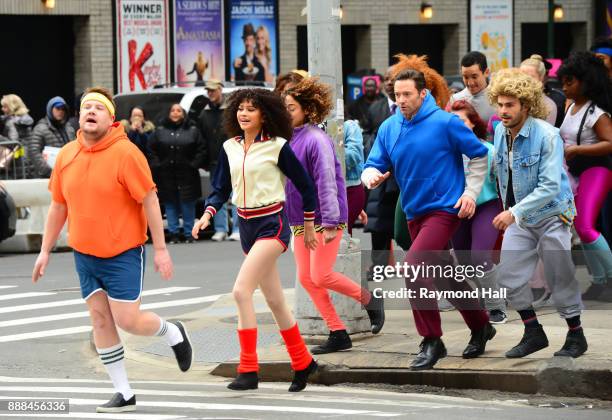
512	82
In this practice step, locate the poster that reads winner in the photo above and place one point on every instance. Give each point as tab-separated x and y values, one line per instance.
143	45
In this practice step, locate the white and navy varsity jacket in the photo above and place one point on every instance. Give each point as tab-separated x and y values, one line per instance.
257	178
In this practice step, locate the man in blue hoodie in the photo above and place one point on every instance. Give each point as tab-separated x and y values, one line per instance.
423	146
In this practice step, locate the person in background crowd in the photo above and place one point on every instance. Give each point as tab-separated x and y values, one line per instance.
602	48
354	158
538	211
555	94
252	167
288	80
534	67
475	73
51	130
358	109
475	238
308	103
211	127
176	152
138	128
587	134
17	127
423	146
103	185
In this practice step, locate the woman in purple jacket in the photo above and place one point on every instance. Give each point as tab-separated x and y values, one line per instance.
308	103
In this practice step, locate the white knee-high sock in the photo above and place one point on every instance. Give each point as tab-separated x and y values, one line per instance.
170	332
112	357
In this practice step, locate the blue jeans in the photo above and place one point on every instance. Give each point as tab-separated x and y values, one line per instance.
176	208
220	220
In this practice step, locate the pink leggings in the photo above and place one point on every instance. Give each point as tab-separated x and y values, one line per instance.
315	269
593	187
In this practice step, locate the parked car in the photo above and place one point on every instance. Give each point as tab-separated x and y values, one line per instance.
8	214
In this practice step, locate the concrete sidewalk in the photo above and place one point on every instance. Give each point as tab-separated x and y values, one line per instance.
385	358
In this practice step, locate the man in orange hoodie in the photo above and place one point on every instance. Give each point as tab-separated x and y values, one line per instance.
102	184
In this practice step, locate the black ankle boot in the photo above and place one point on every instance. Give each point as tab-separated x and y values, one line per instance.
575	344
244	381
376	313
478	342
534	339
300	377
337	340
431	350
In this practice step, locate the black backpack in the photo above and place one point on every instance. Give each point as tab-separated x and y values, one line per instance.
8	215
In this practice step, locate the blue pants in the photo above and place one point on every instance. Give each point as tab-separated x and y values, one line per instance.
220	220
176	208
272	227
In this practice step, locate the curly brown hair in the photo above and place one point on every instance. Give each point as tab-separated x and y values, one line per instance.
292	78
434	82
314	97
276	119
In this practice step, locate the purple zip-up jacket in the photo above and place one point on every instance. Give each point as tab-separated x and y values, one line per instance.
315	150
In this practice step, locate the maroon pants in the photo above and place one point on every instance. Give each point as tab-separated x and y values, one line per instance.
432	232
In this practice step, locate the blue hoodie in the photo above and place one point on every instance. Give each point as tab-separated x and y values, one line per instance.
425	156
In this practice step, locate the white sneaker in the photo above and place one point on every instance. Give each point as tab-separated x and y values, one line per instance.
234	236
219	236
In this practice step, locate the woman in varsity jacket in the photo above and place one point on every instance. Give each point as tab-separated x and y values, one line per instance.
253	164
308	103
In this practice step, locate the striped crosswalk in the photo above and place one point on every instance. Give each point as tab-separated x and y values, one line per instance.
48	314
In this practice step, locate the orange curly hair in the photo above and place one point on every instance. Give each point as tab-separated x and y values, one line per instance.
433	80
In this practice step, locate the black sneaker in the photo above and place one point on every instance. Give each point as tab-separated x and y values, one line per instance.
534	339
376	313
337	341
300	377
173	238
594	291
575	344
183	350
117	404
244	382
497	316
188	239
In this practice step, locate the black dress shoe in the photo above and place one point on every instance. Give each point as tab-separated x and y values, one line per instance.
534	339
376	313
337	341
432	349
244	381
575	344
300	377
478	342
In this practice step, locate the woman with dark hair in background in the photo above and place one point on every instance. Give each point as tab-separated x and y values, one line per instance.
253	165
138	128
477	235
176	152
587	134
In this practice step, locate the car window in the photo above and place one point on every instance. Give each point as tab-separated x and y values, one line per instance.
155	105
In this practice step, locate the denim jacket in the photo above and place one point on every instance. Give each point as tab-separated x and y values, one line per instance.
353	153
541	186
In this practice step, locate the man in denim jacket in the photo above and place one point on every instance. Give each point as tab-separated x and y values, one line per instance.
539	209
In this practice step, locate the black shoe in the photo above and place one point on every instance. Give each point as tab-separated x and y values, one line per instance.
337	341
173	238
188	239
594	291
534	339
300	377
376	313
183	350
606	295
497	316
478	342
117	404
575	344
244	381
432	349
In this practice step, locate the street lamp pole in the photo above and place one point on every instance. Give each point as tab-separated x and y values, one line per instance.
551	29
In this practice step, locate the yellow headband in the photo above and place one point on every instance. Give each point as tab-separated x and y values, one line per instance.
95	96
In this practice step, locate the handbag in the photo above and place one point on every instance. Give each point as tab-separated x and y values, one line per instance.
580	163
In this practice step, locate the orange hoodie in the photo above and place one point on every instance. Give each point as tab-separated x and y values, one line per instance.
103	187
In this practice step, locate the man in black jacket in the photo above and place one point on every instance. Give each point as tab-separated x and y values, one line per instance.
211	127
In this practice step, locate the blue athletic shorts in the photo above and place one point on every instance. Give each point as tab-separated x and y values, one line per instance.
120	276
274	226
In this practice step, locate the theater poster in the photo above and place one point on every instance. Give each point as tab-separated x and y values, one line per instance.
198	41
491	31
142	44
253	40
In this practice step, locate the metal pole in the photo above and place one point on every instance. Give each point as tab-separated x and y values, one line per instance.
551	29
325	61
